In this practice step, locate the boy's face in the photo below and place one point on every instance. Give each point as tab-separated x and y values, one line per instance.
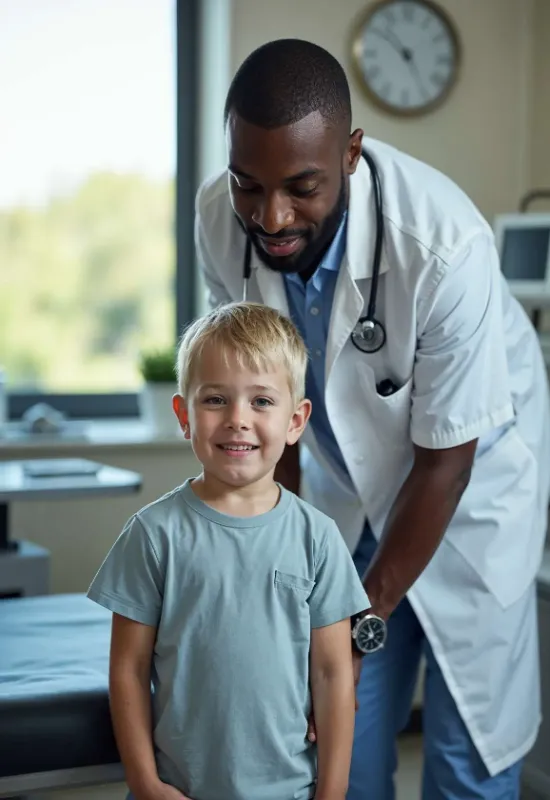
238	420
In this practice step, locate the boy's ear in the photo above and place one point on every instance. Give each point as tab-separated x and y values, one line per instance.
298	421
180	410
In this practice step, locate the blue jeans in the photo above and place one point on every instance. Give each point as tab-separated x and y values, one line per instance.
453	769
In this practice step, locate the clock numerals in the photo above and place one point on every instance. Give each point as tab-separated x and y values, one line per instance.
439	37
408	12
438	79
386	91
404	98
373	73
444	59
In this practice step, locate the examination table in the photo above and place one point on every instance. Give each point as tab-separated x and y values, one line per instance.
55	726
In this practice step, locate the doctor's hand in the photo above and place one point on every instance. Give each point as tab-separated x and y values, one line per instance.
357	664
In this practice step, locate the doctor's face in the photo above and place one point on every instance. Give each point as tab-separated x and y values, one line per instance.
289	187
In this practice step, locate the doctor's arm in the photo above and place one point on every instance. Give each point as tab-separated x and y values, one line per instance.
417	522
460	393
287	471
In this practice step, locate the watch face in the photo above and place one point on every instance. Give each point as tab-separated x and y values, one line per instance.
371	634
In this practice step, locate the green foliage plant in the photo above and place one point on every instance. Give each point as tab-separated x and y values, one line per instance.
158	366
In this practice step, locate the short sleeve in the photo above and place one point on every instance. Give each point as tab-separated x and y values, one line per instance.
216	291
130	580
338	592
461	386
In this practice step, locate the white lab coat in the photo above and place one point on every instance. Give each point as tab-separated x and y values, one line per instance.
467	361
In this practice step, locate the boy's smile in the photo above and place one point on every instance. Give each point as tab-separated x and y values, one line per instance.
238	449
239	420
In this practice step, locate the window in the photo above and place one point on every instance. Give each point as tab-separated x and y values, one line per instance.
90	199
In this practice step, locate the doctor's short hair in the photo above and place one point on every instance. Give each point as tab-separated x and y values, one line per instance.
260	338
283	81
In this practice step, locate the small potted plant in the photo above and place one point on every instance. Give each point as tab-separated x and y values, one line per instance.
159	376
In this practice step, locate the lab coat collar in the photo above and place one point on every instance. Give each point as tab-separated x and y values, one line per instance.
271	285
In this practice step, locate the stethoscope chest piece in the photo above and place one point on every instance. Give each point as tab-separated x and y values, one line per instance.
368	335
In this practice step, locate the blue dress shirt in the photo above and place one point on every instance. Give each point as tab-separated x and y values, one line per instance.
310	306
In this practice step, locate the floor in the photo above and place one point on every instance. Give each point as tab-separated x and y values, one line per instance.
409	774
408	778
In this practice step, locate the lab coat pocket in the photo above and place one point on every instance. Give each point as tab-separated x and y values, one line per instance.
379	447
496	525
389	417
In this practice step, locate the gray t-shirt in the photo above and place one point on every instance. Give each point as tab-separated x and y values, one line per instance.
233	600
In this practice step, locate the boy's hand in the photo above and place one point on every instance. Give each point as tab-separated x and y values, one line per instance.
160	791
357	664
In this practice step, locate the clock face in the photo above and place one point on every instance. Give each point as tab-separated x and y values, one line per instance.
407	55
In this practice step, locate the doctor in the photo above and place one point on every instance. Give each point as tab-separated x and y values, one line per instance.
429	440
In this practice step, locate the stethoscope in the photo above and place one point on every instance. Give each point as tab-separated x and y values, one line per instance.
368	334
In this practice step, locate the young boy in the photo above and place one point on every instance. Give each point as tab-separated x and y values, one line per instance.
232	595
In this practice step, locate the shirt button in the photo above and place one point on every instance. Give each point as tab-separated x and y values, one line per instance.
318	353
359	459
314	310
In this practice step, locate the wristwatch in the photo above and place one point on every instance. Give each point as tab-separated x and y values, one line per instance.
368	633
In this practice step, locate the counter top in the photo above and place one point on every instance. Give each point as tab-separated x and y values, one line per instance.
89	434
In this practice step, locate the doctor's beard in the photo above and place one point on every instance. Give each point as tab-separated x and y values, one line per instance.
317	243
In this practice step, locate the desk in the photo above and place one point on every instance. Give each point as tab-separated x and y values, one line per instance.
23	565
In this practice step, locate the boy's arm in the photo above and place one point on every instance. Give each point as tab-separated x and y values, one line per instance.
130	699
333	695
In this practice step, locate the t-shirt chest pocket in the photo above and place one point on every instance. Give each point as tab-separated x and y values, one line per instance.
294	582
291	599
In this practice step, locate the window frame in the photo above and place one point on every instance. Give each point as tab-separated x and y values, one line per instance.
125	404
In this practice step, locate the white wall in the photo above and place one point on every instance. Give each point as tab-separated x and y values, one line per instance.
540	117
480	137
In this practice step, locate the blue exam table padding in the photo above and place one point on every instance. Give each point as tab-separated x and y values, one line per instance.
54	709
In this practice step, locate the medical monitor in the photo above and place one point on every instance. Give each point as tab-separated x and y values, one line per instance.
523	243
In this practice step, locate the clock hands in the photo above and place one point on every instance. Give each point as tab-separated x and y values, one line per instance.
392	39
417	77
406	54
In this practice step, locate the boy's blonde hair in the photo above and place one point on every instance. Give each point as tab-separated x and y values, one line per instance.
257	335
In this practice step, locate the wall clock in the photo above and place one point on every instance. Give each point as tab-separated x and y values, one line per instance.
406	54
